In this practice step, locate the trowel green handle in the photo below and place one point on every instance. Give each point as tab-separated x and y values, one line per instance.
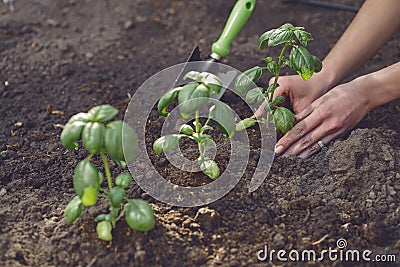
238	17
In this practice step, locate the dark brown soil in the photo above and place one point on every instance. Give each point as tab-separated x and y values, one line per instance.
63	57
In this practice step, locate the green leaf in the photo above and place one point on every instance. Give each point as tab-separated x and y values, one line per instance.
102	113
118	136
279	99
73	210
116	196
245	123
302	36
223	116
71	134
268	59
303	62
139	215
205	128
166	100
255	94
209	167
123	180
166	143
83	117
89	196
271	88
194	75
192	98
284	119
85	175
92	137
101	177
206	141
244	80
273	67
103	217
129	143
274	37
103	230
186	129
212	82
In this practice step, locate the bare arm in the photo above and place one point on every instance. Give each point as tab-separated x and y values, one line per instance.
372	27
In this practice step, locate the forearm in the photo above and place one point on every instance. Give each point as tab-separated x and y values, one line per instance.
379	87
371	28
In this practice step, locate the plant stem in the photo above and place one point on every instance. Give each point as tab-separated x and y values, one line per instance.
107	170
197	126
110	186
281	56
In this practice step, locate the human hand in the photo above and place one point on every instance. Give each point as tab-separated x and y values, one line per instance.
325	119
301	93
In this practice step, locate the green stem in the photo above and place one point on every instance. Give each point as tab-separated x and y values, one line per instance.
197	126
110	186
107	170
281	56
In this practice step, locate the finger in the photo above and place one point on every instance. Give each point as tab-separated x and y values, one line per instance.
310	141
302	128
260	112
305	113
316	148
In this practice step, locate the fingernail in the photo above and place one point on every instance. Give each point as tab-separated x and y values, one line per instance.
278	149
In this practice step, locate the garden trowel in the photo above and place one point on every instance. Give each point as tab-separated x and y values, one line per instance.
220	48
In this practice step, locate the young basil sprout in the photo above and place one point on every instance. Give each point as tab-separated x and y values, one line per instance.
105	139
192	97
293	40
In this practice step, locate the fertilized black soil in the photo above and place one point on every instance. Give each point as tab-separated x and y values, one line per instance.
59	58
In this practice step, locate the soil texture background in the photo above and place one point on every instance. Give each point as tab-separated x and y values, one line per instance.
58	58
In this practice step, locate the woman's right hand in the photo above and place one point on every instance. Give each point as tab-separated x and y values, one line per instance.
301	93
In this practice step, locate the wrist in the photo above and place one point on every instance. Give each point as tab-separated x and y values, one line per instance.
324	80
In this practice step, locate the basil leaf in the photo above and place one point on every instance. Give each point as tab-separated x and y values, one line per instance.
123	180
255	94
212	82
139	215
284	119
186	129
71	134
102	113
192	98
194	75
245	123
244	80
302	36
73	210
116	195
129	143
223	116
303	62
283	34
92	137
85	175
166	100
209	167
166	143
103	230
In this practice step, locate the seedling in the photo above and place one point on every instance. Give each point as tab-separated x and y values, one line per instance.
104	139
192	97
300	60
